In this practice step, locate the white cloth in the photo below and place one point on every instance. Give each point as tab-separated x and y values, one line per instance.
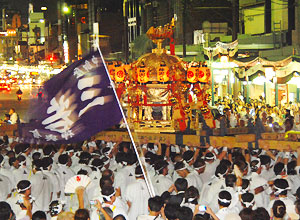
137	194
194	179
148	217
124	177
222	213
14	118
41	190
22	173
262	198
5	186
290	207
161	184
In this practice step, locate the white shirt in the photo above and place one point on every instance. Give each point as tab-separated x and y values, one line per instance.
161	183
194	179
41	190
14	118
221	214
137	194
5	186
290	207
124	177
262	198
148	217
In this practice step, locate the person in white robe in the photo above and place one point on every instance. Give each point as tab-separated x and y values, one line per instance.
137	195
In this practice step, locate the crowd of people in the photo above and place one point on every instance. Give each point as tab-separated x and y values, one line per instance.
232	113
189	182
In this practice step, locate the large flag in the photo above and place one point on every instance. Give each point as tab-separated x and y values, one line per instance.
79	102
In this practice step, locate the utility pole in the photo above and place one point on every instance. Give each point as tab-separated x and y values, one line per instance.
184	29
125	14
235	19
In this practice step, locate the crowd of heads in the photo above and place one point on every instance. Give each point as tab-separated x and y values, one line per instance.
182	182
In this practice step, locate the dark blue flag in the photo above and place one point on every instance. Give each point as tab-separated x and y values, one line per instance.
79	102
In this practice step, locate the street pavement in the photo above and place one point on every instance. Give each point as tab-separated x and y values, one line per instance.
8	99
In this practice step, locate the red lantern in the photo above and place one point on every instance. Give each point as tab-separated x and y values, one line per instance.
119	74
192	74
142	74
163	73
111	69
204	74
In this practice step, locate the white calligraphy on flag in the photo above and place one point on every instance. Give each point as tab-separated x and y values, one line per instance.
62	107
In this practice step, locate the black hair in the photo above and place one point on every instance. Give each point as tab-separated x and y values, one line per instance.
11	161
5	210
224	195
291	168
188	155
138	171
160	165
185	213
109	173
297	206
242	165
82	172
191	193
265	159
226	163
279	209
63	159
96	164
37	164
46	162
165	196
181	184
84	158
23	184
247	197
119	217
199	163
253	165
221	170
282	184
278	168
245	183
230	180
106	191
36	155
246	214
171	211
47	150
39	215
179	165
105	181
155	203
81	214
120	157
131	158
21	158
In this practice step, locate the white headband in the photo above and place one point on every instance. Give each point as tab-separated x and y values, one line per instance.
257	165
248	204
224	200
21	190
109	196
279	190
191	199
210	158
183	168
198	168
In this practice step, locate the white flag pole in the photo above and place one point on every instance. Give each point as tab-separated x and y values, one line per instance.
148	181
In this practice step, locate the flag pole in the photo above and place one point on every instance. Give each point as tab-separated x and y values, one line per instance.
148	181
